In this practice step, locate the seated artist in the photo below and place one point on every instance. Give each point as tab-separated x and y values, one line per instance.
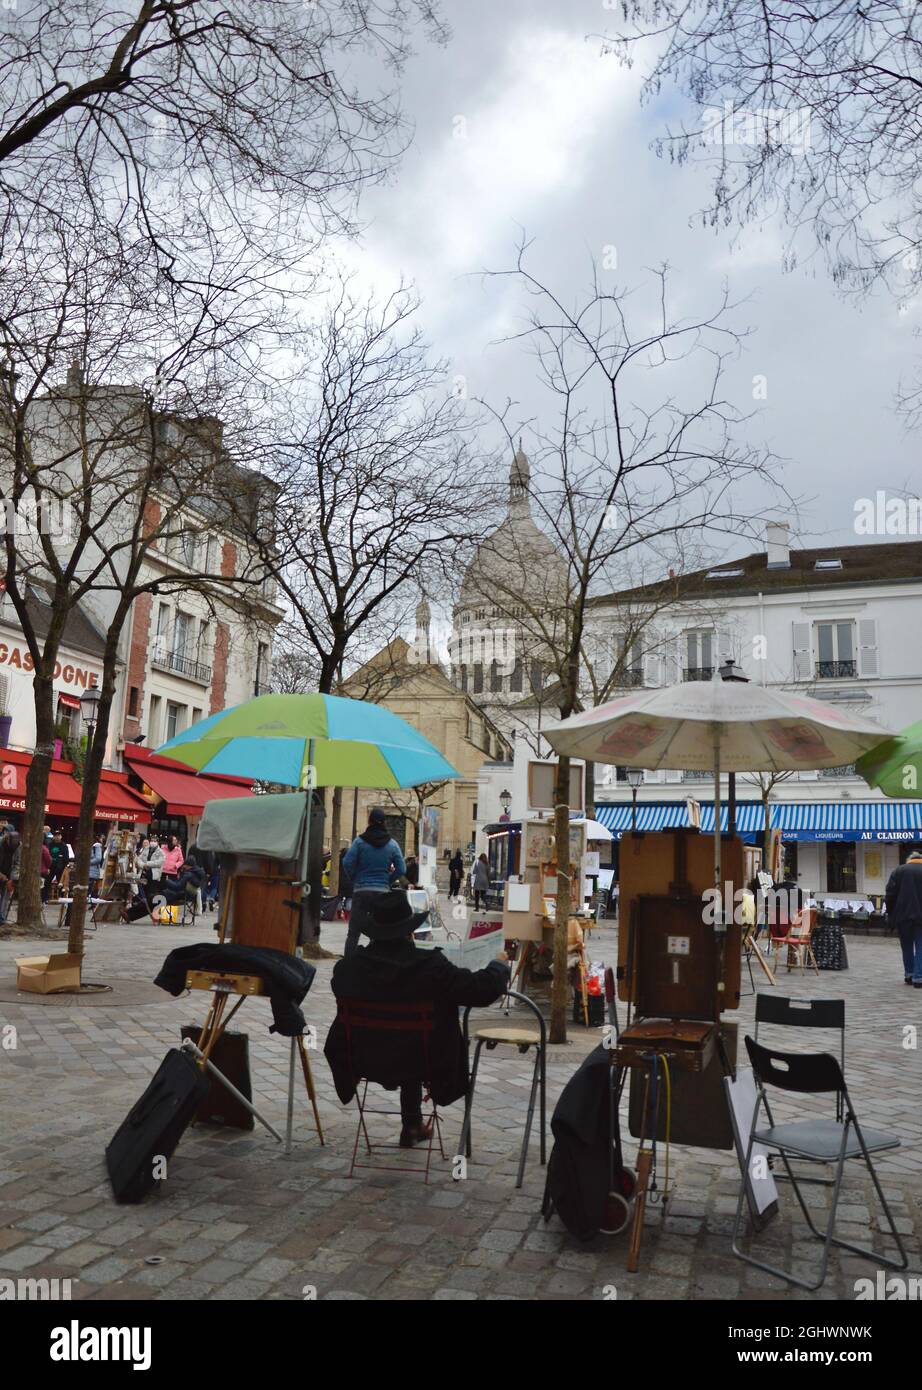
392	970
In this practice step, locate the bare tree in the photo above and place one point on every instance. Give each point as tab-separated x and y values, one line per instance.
126	471
375	471
813	108
622	477
189	120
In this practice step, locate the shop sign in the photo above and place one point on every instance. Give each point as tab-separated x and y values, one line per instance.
66	671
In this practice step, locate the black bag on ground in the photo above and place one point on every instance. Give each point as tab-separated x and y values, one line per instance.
231	1056
579	1168
154	1126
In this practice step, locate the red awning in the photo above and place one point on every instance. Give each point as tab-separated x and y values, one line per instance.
185	791
68	701
116	800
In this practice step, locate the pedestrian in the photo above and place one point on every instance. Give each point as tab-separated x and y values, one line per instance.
44	869
480	881
173	858
150	863
8	841
372	862
904	911
455	874
60	861
94	873
207	861
412	871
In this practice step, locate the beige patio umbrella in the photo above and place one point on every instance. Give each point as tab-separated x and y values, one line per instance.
726	724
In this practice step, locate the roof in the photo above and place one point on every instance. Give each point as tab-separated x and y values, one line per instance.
885	562
80	633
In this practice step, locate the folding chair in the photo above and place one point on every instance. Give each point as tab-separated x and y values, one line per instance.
805	1013
797	939
361	1020
521	1038
826	1141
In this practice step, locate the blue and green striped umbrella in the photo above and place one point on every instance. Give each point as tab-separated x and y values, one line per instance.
277	738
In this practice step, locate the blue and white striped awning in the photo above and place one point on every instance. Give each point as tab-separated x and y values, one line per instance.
806	820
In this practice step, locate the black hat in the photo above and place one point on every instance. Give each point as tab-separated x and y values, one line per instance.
377	816
392	917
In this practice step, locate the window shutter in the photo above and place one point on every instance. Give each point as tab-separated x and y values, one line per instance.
803	656
867	647
672	666
652	668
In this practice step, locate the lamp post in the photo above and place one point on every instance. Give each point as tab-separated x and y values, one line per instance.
505	800
89	709
634	777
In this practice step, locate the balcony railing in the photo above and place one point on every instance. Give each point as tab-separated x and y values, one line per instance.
846	770
698	673
836	670
180	665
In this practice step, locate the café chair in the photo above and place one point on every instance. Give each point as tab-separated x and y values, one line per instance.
797	940
415	1022
823	1140
523	1039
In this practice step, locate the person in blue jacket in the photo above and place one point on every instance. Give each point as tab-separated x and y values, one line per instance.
372	862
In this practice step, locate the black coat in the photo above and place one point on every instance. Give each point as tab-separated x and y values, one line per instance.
904	894
288	977
395	972
579	1170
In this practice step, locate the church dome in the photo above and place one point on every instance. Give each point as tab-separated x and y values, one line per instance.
516	558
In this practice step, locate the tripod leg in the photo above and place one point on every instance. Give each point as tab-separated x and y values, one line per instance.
309	1083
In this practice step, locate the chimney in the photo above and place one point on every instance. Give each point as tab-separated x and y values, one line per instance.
777	545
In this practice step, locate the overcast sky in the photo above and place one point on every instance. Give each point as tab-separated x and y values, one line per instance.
522	122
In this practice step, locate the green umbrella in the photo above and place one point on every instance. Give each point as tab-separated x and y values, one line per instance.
895	766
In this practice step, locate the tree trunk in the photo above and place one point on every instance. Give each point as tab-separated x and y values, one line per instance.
92	776
33	820
336	815
589	797
766	832
559	986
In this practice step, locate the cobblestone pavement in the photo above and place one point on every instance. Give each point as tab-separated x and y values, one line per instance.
239	1220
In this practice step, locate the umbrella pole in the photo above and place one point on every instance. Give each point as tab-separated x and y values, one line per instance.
717	883
302	928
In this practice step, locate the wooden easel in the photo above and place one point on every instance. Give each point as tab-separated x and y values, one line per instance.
575	943
222	986
262	901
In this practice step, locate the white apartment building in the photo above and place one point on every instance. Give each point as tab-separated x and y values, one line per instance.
842	624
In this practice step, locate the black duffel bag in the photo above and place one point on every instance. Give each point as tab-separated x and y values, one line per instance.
154	1126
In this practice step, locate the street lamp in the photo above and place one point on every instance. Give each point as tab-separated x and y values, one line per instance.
89	708
505	800
635	778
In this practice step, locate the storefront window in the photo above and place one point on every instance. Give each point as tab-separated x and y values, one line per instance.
789	859
841	868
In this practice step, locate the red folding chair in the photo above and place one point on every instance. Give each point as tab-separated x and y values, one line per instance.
361	1022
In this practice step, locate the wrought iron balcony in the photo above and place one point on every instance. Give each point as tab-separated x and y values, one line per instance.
836	670
698	673
846	770
180	665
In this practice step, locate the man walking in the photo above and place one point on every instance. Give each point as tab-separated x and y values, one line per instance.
904	910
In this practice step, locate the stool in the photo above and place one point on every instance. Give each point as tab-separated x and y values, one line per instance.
510	1035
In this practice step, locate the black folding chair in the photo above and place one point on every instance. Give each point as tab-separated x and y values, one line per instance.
824	1141
787	1012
